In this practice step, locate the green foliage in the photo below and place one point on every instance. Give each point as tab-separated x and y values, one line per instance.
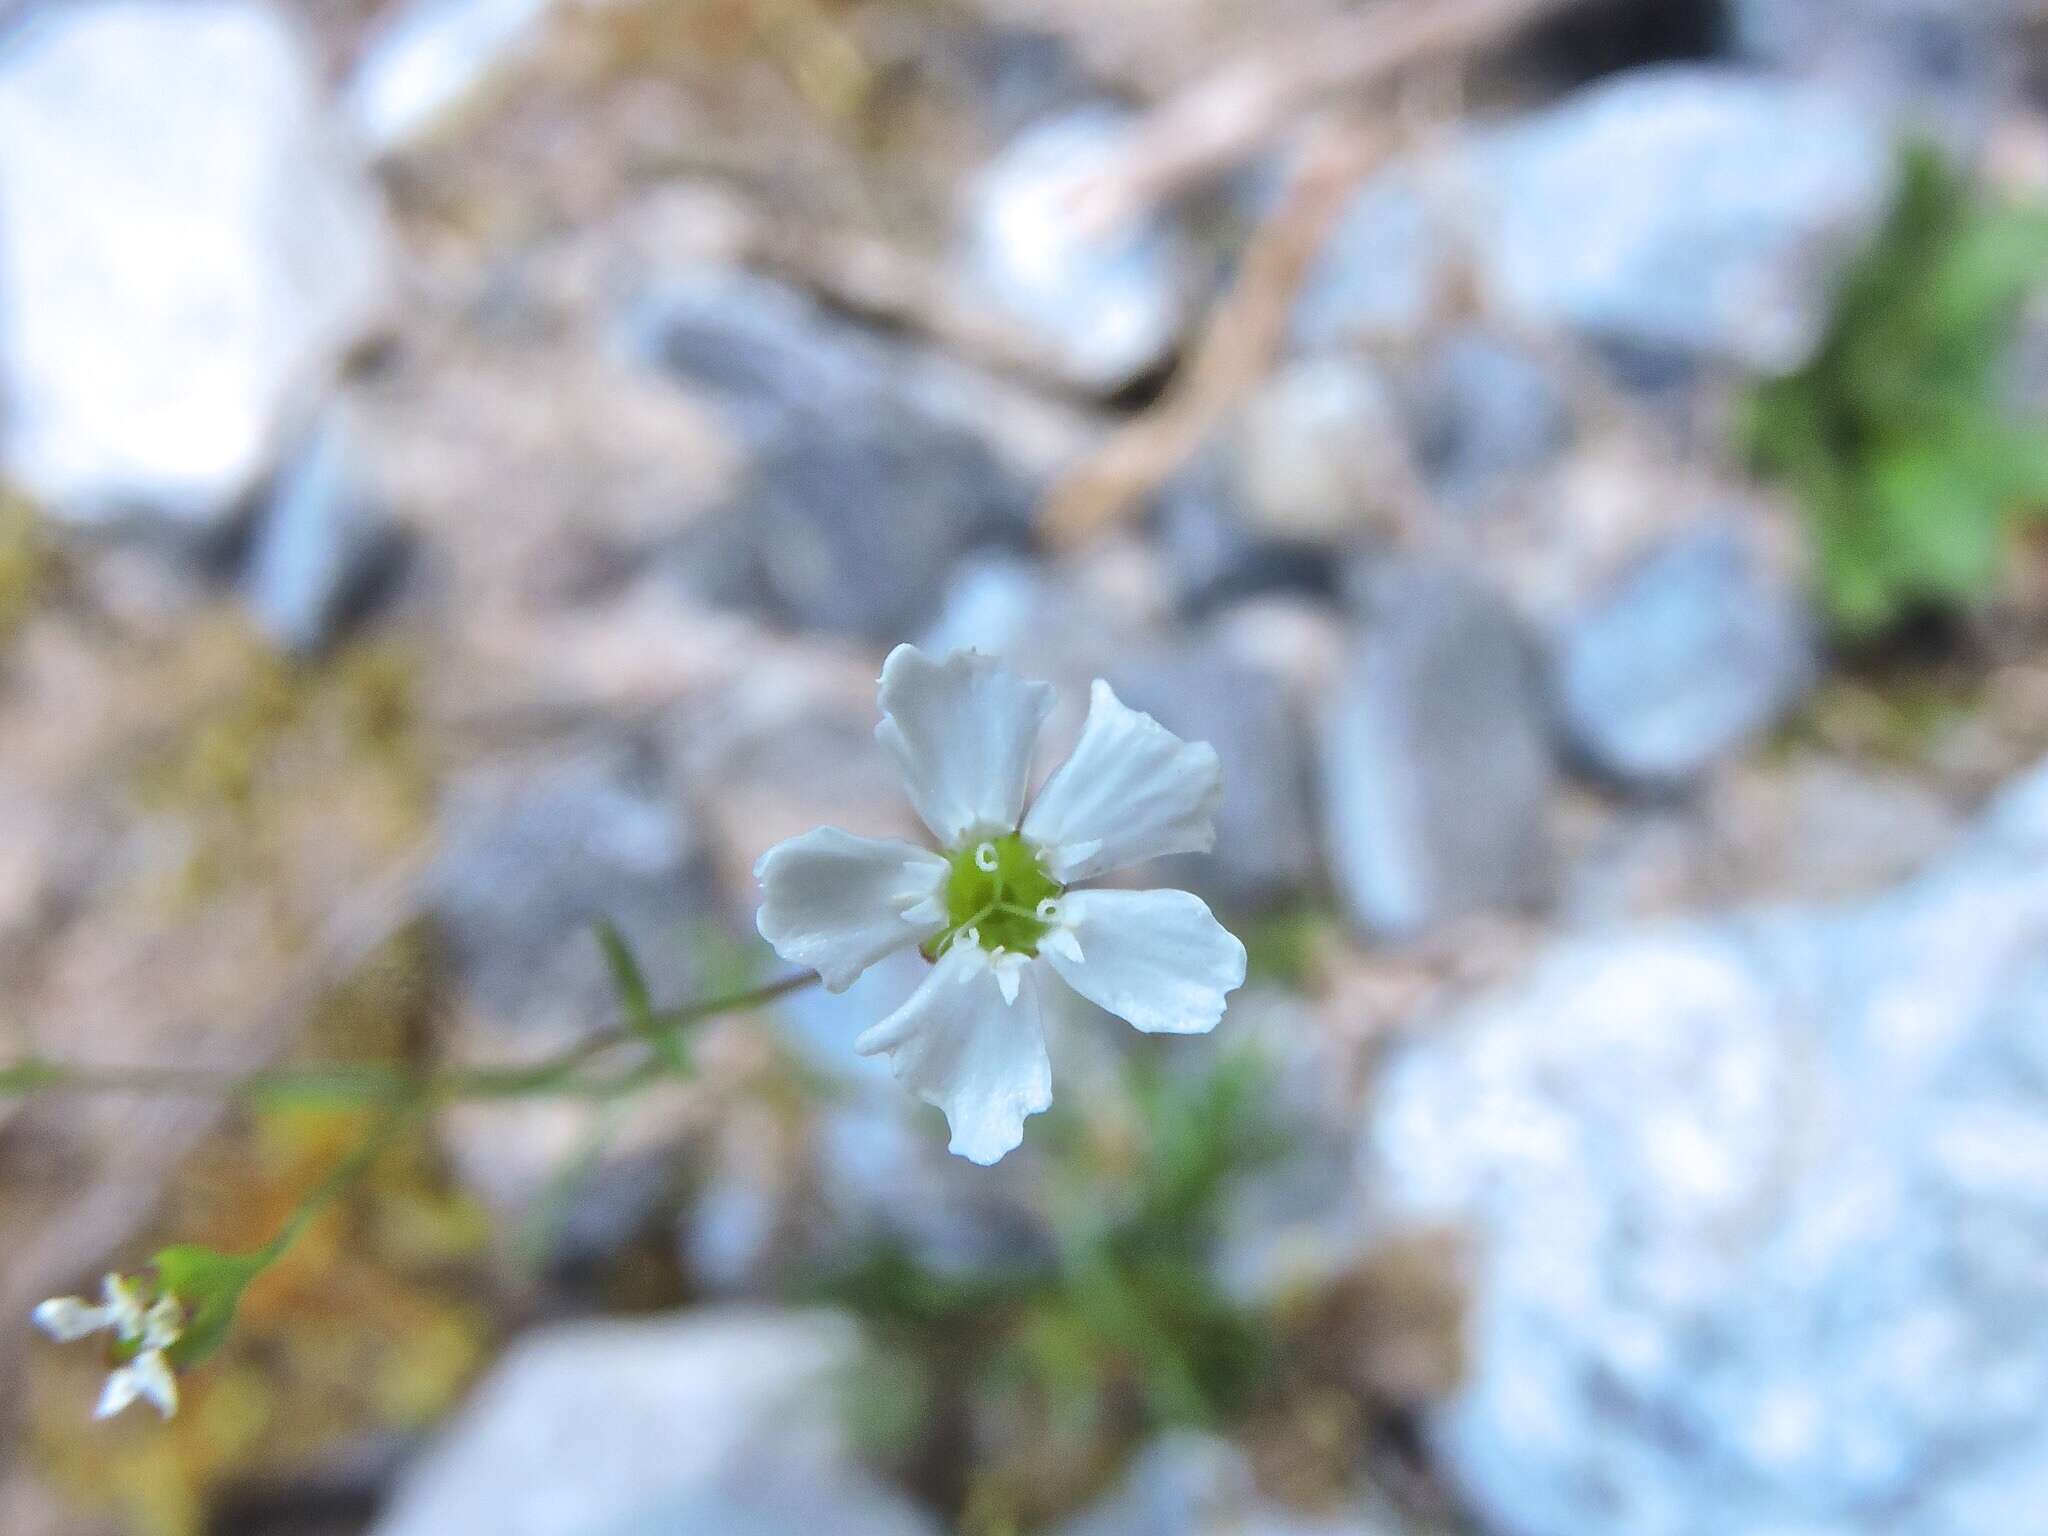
1895	437
1119	1329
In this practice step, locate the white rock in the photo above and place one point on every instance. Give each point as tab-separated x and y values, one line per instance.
1108	306
185	255
597	1429
1762	1209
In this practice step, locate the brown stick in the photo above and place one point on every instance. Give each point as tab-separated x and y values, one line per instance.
1223	119
1243	336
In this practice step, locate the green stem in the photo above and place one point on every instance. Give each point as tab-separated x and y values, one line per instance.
342	1177
385	1082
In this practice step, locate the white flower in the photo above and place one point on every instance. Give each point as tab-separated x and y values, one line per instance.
142	1332
994	912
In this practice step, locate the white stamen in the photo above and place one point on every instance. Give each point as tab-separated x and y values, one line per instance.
985	858
1048	911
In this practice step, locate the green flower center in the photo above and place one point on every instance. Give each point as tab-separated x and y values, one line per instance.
998	888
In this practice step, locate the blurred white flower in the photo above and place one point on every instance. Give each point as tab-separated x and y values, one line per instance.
994	913
142	1332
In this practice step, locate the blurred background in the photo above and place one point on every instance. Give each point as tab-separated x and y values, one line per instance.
462	463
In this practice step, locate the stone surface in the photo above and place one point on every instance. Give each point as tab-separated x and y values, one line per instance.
185	255
772	360
533	855
623	1428
1213	554
1939	66
1761	1207
766	354
1108	308
1265	848
1381	270
854	1507
855	527
1690	209
1319	454
1436	762
871	1167
867	479
1487	411
321	544
1692	654
428	59
1189	1484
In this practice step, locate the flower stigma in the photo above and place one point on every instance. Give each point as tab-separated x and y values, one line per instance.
999	896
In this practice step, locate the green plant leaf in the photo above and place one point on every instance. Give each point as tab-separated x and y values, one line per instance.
636	1004
209	1286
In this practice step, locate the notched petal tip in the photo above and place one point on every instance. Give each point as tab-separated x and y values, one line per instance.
1130	792
958	1045
963	731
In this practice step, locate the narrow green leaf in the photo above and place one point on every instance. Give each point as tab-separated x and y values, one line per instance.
628	980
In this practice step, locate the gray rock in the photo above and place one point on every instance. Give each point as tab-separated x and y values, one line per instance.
321	544
1189	1484
864	488
1487	412
1319	453
1436	763
1693	653
532	856
426	60
841	1505
1107	308
1265	849
855	527
620	1428
1381	270
775	361
1181	1482
185	255
765	353
1692	209
1213	554
1938	66
873	1168
1761	1208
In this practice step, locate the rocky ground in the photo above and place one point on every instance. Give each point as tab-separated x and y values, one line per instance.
462	462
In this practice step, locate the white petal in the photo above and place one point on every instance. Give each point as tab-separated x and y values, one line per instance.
68	1318
958	1045
163	1325
963	731
1132	791
122	1388
124	1304
837	903
1157	959
155	1382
